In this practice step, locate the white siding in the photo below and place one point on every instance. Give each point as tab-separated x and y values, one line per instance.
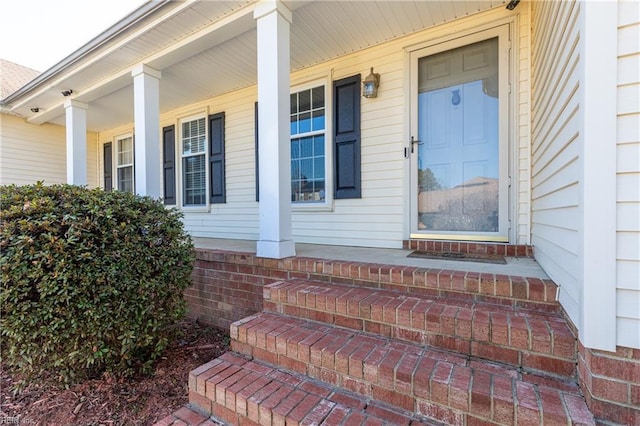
557	162
30	153
238	217
92	160
556	168
379	218
628	175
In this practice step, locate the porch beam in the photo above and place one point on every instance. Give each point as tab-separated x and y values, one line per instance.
146	109
76	141
273	24
226	28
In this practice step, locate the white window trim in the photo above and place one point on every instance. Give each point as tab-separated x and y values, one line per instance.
205	208
327	204
115	162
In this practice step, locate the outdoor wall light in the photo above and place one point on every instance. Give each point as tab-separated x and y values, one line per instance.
67	92
512	4
370	85
35	109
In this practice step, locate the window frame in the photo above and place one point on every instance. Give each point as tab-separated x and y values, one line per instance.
116	166
180	179
327	203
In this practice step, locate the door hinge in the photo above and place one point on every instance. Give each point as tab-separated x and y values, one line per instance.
509	181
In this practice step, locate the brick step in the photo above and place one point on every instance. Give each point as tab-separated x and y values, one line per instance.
449	387
501	249
187	416
523	292
235	390
534	341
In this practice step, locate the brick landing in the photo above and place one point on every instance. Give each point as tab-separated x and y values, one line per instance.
228	285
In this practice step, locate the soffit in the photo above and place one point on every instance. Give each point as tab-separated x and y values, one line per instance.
208	48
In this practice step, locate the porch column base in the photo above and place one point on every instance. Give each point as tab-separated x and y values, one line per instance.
276	249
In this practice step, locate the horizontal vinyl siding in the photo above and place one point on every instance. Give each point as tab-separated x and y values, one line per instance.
238	217
556	164
30	153
628	176
379	218
92	160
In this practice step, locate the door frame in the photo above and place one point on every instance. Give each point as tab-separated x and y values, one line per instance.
502	30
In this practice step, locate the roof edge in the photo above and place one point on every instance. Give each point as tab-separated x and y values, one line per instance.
134	17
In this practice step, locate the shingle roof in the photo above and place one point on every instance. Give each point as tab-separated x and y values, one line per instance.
13	77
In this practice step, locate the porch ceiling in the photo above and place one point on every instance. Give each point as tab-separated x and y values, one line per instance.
206	48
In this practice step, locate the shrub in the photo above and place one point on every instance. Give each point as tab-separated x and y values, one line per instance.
91	280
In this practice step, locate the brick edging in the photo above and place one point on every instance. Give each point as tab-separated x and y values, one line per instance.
610	382
501	249
392	277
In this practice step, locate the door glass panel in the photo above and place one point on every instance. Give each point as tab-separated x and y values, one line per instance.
458	170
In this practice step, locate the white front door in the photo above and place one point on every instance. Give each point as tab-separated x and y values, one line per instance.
459	125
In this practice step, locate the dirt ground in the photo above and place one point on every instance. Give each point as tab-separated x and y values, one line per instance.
110	401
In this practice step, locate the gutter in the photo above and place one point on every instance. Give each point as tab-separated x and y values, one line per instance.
96	43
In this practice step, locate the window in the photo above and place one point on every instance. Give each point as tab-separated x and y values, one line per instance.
124	164
193	142
308	159
315	155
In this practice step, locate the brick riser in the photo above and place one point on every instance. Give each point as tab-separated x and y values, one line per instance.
440	384
228	285
611	383
240	391
534	342
509	250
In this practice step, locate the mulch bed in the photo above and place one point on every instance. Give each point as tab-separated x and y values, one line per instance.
116	401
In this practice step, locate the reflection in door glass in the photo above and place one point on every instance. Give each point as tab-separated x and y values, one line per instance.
458	125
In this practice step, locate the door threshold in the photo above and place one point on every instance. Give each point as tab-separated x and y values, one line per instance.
463	257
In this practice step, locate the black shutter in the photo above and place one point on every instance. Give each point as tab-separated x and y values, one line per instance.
255	113
108	167
346	167
216	159
169	164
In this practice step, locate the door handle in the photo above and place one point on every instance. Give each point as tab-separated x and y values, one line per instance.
413	142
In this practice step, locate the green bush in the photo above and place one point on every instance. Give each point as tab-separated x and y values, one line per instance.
91	280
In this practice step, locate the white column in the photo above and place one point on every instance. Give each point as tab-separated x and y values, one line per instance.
599	39
76	126
273	21
146	110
